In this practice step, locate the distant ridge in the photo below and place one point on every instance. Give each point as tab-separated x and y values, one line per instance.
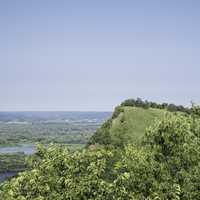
34	116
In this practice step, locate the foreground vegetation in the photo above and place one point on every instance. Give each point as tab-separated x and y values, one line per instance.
164	164
21	135
22	130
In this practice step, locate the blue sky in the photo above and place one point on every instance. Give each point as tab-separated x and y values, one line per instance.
91	55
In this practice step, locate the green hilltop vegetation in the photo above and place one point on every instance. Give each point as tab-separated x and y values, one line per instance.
130	121
145	151
127	125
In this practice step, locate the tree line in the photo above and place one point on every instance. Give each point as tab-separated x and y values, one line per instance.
149	104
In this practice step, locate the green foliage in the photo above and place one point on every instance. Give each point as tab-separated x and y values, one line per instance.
164	166
148	104
102	135
127	125
118	110
175	146
100	174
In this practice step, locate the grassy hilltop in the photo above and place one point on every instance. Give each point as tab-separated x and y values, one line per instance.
127	125
134	121
130	120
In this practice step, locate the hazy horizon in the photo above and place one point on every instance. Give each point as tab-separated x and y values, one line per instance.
92	55
74	111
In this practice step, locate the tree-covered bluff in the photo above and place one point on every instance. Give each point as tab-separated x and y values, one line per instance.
163	164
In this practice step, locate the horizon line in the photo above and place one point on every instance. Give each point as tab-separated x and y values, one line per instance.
54	111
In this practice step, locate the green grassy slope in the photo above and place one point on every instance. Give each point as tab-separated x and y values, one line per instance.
128	125
133	122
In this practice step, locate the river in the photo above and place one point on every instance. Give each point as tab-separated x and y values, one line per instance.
28	150
5	175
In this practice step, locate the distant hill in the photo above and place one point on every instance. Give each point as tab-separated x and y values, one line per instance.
38	116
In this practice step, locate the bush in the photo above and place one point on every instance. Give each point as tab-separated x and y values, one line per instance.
175	146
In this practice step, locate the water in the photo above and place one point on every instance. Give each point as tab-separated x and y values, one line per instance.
5	175
28	150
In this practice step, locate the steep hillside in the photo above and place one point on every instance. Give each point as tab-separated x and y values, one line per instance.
127	125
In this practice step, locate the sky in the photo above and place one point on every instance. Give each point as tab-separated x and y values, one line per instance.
92	55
